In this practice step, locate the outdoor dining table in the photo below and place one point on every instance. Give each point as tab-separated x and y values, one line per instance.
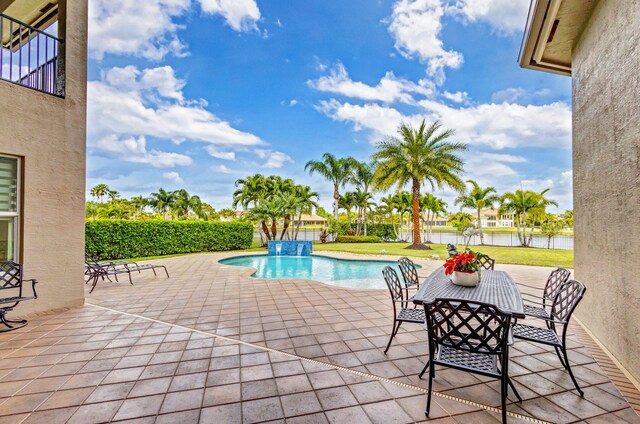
495	287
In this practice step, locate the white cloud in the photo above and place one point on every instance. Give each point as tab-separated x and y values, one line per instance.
560	188
415	26
222	169
504	16
215	153
131	102
241	15
457	97
274	159
134	150
390	88
492	164
138	28
509	95
497	126
173	176
501	157
293	102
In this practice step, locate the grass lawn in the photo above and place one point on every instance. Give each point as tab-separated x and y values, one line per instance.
505	255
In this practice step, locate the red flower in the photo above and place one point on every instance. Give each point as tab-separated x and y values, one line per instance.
464	262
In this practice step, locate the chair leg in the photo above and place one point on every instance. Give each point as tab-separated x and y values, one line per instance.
426	366
130	280
431	371
154	271
393	334
93	286
7	322
165	270
564	365
568	367
503	394
514	389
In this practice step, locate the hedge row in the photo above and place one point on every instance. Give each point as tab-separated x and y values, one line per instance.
357	239
117	239
384	231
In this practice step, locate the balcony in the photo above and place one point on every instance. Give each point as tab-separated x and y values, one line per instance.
30	56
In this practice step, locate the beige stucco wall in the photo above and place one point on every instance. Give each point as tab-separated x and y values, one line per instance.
606	174
49	133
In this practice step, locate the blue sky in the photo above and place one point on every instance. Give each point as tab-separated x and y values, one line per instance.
198	93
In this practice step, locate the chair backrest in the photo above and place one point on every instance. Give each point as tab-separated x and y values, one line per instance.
556	279
10	275
393	283
566	300
92	265
409	271
485	261
469	326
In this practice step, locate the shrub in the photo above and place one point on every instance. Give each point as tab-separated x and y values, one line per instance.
384	231
357	239
117	239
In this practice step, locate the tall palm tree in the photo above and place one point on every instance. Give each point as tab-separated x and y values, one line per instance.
305	203
184	203
347	202
336	170
432	207
250	190
403	204
362	175
99	191
113	194
419	155
362	201
390	203
478	198
526	206
161	201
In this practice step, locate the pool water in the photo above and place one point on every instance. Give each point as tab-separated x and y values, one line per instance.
338	272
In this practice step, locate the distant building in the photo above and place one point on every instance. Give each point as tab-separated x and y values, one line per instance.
309	220
490	218
438	221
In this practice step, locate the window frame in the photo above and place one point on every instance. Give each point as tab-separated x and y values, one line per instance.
16	216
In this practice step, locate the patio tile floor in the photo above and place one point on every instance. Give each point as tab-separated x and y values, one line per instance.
212	345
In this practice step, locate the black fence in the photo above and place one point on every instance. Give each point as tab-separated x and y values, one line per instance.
30	57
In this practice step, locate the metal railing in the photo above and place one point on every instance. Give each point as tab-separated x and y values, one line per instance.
30	57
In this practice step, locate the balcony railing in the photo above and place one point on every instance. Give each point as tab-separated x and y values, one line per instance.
30	57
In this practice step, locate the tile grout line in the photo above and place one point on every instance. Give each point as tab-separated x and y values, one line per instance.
336	367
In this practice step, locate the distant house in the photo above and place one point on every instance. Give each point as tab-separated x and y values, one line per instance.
438	221
490	218
309	220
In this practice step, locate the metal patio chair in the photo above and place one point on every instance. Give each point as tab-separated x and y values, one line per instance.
401	310
94	270
540	308
472	337
12	283
409	275
485	261
565	302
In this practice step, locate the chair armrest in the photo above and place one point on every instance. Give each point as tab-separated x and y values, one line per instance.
531	287
535	302
33	286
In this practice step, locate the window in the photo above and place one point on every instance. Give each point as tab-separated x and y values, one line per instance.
9	208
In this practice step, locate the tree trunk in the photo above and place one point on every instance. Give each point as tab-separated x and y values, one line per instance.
359	225
274	229
480	229
287	221
265	230
364	217
295	237
336	197
416	211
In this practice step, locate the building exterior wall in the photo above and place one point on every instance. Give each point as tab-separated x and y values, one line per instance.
49	134
606	176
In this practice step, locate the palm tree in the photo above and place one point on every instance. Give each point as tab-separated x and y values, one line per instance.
403	203
362	175
362	200
184	203
161	201
434	207
139	203
417	156
268	212
99	191
336	170
305	203
91	210
251	189
347	202
526	206
478	198
113	194
390	205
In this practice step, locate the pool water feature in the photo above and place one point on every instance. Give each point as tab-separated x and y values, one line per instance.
366	274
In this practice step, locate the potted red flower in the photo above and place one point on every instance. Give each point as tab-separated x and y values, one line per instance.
463	269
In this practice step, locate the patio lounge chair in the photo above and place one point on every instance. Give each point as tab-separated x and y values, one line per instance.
539	308
566	299
11	286
472	337
398	297
95	270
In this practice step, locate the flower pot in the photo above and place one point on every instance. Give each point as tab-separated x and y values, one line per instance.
467	279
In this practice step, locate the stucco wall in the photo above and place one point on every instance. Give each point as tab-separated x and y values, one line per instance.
49	133
606	174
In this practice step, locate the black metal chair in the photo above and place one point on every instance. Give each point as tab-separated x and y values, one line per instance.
469	336
409	275
565	302
398	297
12	283
485	261
540	308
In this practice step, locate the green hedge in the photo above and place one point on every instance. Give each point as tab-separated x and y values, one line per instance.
384	231
357	239
117	239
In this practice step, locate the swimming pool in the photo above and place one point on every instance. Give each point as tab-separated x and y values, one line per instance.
366	274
